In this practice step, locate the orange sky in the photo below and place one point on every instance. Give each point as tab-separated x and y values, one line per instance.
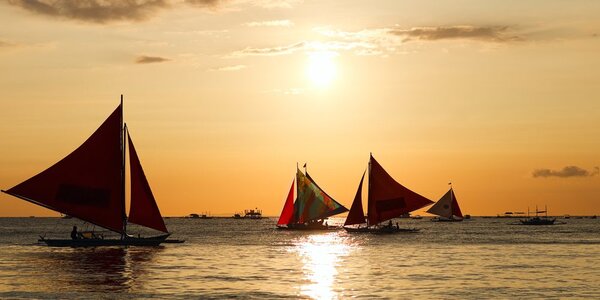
224	97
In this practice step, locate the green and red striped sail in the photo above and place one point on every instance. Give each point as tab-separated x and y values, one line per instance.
312	203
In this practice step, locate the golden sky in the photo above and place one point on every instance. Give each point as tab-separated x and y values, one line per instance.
223	97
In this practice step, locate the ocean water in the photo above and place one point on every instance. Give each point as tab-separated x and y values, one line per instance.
249	259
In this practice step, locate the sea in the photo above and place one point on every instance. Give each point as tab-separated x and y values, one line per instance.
225	258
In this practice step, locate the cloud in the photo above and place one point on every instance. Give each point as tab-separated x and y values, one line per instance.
273	23
236	4
568	171
94	11
229	68
5	44
144	59
490	33
280	50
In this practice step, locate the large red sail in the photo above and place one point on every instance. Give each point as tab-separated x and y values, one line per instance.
356	214
288	209
389	199
86	184
143	210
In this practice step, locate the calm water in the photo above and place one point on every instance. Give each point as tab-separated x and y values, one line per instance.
227	258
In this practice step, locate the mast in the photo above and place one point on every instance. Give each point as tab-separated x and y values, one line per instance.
369	189
451	202
123	128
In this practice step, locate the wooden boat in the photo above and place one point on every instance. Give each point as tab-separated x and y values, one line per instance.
446	208
311	208
89	184
387	199
537	220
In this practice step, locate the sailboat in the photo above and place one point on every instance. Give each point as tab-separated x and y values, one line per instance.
387	199
89	184
446	208
311	208
537	220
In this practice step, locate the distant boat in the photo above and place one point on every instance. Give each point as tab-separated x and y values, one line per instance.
537	220
311	208
254	214
387	199
89	184
199	216
446	208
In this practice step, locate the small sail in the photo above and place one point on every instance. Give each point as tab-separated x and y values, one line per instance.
443	207
387	198
288	208
356	214
143	210
86	184
312	203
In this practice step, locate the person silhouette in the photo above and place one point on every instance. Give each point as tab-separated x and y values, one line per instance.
74	233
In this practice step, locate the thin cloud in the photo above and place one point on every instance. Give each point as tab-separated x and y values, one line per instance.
229	68
490	33
236	4
566	172
272	51
94	11
144	59
273	23
5	44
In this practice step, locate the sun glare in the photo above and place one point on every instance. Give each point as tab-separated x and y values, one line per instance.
321	68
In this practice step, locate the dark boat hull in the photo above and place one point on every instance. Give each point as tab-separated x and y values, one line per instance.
538	221
308	228
96	242
446	220
380	230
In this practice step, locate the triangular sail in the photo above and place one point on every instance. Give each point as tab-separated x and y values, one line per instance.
447	206
288	208
143	210
389	199
312	203
443	207
356	214
455	208
86	184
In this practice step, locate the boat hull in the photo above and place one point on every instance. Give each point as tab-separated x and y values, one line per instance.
380	230
538	221
97	242
308	228
446	220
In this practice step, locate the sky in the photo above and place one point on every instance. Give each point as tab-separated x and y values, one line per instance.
225	97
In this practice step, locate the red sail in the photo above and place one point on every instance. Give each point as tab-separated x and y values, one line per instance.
86	184
288	209
455	209
356	214
143	210
387	198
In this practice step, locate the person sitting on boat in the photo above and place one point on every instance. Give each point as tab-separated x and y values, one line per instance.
390	224
74	233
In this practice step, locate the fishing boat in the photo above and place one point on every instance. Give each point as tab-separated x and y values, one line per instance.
311	208
446	209
89	184
387	199
255	214
537	220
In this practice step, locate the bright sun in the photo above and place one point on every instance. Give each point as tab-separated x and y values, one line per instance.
321	68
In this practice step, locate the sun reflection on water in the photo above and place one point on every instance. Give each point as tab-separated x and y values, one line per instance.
320	255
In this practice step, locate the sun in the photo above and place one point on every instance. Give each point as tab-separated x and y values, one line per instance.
321	69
